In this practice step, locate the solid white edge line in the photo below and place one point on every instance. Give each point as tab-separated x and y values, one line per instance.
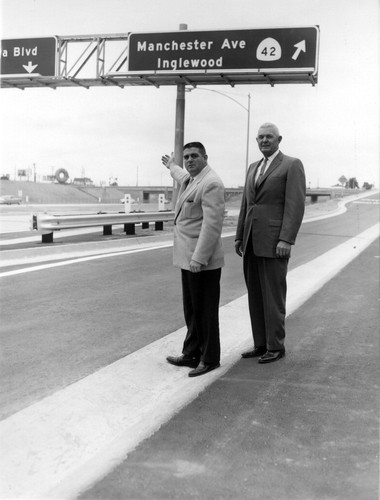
105	255
62	444
76	260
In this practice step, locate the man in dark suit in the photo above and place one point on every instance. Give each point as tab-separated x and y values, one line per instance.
198	252
271	214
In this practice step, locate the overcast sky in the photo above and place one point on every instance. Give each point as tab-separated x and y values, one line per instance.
105	133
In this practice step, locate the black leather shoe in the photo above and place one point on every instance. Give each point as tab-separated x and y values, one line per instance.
254	353
183	361
271	356
203	368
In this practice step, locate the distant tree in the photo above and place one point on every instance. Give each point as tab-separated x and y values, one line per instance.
352	183
5	177
368	186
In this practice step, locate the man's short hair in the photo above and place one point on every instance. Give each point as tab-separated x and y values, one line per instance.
197	145
272	126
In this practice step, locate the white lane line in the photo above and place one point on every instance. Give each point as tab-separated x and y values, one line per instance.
37	237
42	267
60	445
306	280
76	260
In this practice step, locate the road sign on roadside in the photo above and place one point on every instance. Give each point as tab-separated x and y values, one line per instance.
33	56
255	50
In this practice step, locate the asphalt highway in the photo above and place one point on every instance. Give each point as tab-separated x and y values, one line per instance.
59	324
65	319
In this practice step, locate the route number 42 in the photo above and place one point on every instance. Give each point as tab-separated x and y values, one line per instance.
269	50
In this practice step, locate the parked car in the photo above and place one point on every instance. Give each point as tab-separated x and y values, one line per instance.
9	199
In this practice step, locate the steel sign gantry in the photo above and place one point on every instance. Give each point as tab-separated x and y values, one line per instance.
258	56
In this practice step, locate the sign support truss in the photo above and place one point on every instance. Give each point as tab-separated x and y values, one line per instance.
134	59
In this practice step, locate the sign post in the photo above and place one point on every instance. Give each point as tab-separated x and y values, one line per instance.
28	56
179	128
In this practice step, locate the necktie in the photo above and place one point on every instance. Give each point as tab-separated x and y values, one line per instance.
262	171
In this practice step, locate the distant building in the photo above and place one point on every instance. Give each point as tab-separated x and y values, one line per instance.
83	181
49	178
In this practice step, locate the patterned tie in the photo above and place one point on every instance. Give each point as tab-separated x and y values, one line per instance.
262	171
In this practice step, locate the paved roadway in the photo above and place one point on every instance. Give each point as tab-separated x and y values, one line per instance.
62	323
59	324
303	429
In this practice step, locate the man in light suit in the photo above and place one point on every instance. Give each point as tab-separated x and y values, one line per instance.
198	252
271	214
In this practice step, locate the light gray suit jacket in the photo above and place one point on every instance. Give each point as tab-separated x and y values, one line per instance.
198	221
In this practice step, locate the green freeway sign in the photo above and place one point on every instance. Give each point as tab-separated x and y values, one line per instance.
33	56
285	50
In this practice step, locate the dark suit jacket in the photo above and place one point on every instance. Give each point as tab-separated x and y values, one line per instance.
274	209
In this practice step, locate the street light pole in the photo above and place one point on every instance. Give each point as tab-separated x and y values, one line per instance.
248	126
247	109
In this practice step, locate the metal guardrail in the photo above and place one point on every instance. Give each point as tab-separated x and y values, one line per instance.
46	224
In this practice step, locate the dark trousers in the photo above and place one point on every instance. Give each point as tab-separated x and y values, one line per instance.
201	294
266	283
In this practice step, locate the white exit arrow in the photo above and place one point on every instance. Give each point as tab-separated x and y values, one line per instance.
30	67
301	47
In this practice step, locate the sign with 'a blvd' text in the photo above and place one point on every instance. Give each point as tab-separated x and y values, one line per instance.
28	56
251	50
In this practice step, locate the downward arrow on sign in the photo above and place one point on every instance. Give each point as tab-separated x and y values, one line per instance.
301	46
30	67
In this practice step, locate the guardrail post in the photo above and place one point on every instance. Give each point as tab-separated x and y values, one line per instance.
47	238
159	226
107	230
161	202
127	203
145	225
129	228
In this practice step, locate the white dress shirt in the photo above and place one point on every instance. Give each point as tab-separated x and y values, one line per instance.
269	161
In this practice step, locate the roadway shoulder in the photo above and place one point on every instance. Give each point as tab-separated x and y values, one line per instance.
305	427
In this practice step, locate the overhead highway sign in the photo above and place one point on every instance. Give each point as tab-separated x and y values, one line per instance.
270	51
28	56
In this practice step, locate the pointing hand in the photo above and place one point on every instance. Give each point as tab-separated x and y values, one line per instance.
167	160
